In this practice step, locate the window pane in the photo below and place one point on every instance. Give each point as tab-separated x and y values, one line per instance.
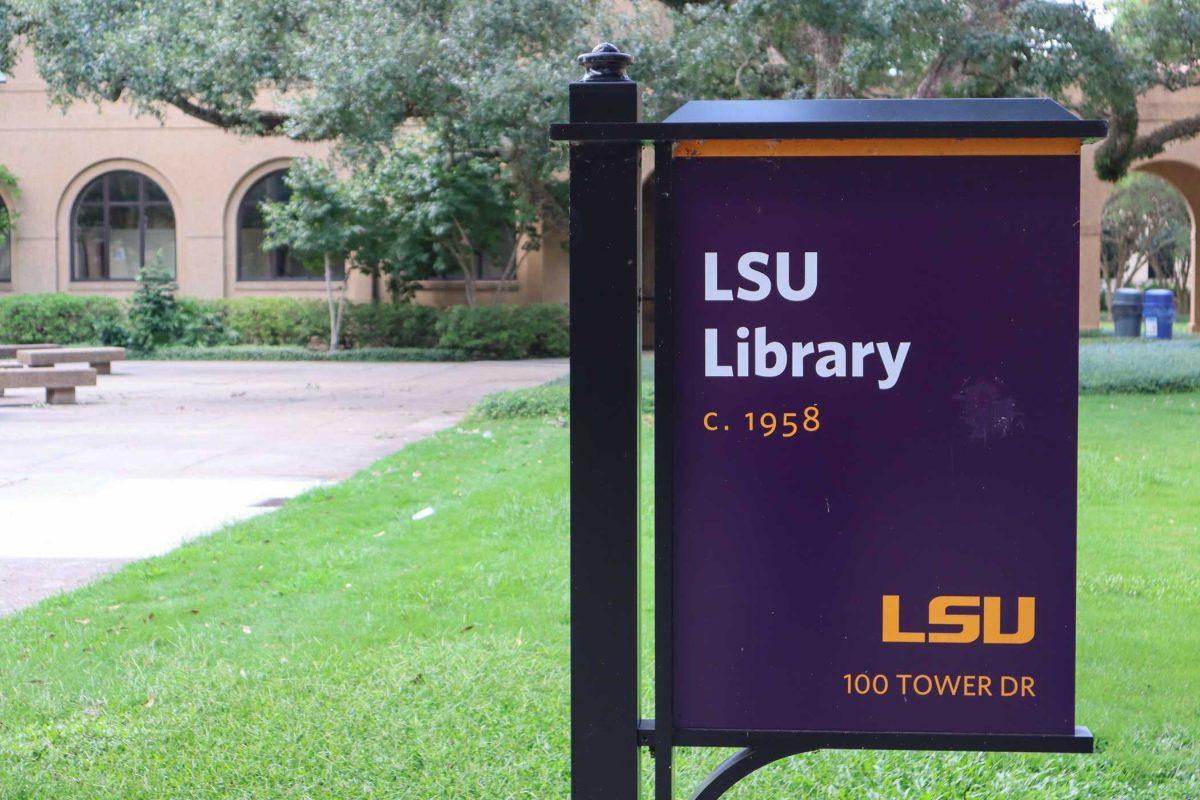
123	187
89	254
253	263
160	234
160	218
90	217
160	246
154	193
291	267
94	193
124	242
492	269
276	189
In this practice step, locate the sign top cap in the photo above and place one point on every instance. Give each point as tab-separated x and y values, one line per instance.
1023	109
1022	117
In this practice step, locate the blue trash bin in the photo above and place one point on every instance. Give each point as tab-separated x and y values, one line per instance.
1126	307
1158	313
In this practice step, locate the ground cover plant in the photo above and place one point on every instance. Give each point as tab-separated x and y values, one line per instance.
252	352
339	648
1108	365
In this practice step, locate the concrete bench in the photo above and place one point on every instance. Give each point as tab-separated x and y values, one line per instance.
99	358
10	350
59	383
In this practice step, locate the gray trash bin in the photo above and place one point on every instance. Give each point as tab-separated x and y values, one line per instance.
1126	307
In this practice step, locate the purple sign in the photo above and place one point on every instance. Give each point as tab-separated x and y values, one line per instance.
875	442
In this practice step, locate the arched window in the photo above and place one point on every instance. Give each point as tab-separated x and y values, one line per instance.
121	222
253	262
5	245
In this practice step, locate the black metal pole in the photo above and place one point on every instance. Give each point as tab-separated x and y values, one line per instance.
605	421
664	475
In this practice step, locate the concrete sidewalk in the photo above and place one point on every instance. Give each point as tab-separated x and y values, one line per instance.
160	452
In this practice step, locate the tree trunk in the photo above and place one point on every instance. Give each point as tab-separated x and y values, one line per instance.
469	284
335	322
510	271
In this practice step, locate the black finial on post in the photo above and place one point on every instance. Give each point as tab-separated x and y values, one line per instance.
606	62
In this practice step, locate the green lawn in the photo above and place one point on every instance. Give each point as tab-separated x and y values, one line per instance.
338	649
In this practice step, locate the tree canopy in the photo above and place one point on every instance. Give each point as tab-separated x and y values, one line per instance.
489	73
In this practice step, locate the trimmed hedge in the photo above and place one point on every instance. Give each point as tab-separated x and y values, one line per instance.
480	333
538	331
288	321
63	319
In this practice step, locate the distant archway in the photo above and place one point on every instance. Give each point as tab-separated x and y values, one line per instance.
1181	181
1185	177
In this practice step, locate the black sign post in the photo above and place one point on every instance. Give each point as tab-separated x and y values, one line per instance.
605	421
865	438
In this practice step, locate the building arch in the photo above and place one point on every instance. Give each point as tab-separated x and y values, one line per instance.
1181	175
1185	178
65	220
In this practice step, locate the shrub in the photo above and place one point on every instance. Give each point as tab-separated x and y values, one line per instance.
62	318
548	400
154	318
483	332
537	401
204	323
391	325
549	327
505	331
277	320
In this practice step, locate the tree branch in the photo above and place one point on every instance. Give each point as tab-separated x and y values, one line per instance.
1153	143
266	123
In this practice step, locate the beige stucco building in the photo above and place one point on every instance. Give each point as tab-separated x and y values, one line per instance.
102	190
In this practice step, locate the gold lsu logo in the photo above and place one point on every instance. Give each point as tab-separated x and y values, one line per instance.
960	621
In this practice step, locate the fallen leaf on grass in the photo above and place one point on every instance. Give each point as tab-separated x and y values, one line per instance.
149	700
83	621
381	533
